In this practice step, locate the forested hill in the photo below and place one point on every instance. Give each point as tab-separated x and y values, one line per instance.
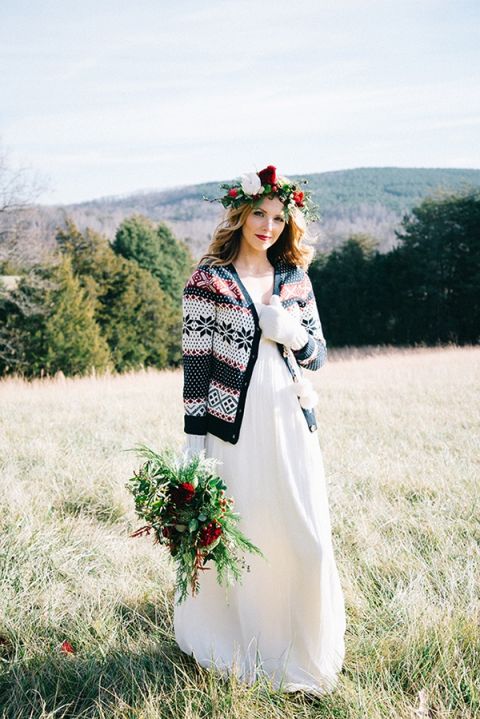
369	200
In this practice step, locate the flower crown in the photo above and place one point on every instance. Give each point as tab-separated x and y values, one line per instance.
252	187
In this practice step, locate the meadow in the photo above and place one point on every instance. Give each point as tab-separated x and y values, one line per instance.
399	432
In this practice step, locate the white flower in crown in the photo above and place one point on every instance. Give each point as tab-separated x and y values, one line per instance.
251	183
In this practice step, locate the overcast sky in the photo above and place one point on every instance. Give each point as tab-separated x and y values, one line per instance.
105	98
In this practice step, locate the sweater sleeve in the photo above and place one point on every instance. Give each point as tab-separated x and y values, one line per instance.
313	354
199	308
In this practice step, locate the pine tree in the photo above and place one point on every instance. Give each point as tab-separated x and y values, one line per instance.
341	285
157	250
139	321
440	283
23	313
73	340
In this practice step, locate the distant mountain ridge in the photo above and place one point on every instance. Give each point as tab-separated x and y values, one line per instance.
367	199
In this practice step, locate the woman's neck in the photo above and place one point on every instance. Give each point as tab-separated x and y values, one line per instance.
252	263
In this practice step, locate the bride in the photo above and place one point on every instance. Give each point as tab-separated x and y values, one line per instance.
250	328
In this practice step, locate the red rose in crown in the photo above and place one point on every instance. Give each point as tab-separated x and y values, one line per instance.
298	198
268	176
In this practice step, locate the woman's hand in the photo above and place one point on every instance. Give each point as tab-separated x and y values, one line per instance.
278	324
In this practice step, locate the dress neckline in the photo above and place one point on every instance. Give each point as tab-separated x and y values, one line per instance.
246	294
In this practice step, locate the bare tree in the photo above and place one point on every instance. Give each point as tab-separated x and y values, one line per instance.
20	224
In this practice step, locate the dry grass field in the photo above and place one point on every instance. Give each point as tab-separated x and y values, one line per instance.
399	431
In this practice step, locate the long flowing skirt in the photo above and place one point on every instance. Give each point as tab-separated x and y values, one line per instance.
286	618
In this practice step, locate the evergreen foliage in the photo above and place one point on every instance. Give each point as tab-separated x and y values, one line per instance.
138	319
93	309
341	283
440	269
72	338
156	249
23	314
426	290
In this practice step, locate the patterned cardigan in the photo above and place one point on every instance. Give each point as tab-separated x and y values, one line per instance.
220	336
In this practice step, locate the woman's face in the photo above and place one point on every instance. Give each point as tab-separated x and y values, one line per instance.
264	224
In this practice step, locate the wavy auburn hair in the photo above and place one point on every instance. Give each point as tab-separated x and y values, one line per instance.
293	246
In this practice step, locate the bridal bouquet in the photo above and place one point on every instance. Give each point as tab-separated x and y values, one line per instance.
185	507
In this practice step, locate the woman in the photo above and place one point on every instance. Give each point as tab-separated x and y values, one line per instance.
250	323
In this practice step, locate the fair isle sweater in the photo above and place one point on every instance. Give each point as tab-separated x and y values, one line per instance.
220	336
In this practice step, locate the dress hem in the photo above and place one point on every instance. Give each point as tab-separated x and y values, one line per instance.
227	671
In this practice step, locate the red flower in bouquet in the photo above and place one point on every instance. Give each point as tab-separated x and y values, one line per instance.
182	494
233	192
185	506
210	533
268	176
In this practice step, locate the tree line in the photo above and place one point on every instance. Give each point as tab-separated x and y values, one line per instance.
100	305
426	290
118	305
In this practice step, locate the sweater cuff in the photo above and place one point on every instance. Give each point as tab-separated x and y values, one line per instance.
195	425
304	352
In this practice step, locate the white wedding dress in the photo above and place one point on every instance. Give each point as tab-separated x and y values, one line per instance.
286	619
